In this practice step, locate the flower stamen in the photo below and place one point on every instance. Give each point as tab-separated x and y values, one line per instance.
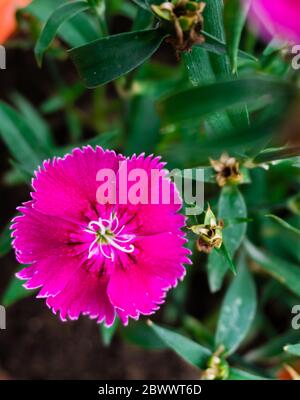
108	238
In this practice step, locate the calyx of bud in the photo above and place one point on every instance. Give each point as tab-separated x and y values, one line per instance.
186	19
217	366
209	233
228	170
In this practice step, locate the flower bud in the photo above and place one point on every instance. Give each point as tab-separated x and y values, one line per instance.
209	234
228	170
184	21
217	367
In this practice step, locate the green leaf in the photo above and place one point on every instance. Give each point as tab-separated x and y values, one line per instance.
120	7
142	3
271	155
218	47
273	347
104	60
150	2
231	206
285	224
39	126
190	351
217	266
143	126
56	19
238	310
293	349
143	20
198	330
239	375
230	264
20	139
200	101
107	333
274	46
209	174
235	221
139	334
15	292
107	140
5	241
235	17
79	30
285	272
233	142
200	72
65	98
214	24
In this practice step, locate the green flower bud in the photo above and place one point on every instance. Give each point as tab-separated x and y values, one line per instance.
209	234
217	366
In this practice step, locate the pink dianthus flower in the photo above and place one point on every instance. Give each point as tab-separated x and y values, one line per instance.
101	260
278	18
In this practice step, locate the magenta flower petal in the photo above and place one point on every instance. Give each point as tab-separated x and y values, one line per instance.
67	187
37	235
139	284
86	294
96	258
153	218
279	18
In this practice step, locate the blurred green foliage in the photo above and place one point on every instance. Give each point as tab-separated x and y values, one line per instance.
230	95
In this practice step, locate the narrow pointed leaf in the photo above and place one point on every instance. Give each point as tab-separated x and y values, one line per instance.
20	139
139	334
15	292
143	126
5	241
107	333
104	60
189	350
216	46
200	101
227	257
142	3
284	271
240	375
231	206
56	19
278	154
235	17
214	24
284	224
39	126
78	30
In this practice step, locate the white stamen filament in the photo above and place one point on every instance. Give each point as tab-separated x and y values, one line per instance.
109	239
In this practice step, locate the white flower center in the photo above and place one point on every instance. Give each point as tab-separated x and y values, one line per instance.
108	238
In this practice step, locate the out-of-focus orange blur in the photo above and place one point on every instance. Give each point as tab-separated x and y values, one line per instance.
290	372
8	19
